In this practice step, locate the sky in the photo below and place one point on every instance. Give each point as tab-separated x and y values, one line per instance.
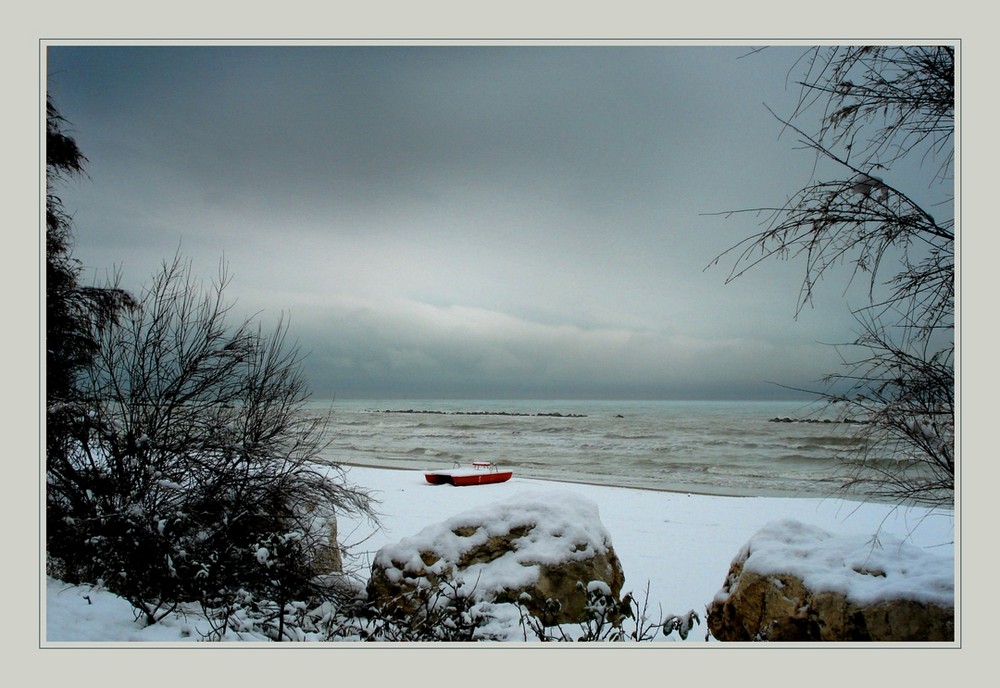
463	221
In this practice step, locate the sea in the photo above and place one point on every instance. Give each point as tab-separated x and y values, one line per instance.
734	448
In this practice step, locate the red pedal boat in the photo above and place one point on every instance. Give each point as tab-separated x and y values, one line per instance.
481	473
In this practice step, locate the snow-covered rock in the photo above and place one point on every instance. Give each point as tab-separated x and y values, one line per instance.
329	559
794	582
529	549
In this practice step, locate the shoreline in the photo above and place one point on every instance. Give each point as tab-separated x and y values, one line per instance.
725	449
696	490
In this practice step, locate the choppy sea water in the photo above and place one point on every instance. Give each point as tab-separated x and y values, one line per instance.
727	448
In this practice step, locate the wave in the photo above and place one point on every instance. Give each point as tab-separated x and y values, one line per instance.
638	436
802	458
890	463
823	441
433	453
552	430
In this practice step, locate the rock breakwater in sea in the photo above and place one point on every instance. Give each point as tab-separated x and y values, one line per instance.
830	421
487	413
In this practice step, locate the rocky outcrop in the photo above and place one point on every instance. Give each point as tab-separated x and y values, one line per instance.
319	522
328	559
796	583
543	551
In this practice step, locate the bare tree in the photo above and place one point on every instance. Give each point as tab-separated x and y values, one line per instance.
880	108
195	470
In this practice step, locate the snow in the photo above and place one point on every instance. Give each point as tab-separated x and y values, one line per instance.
680	544
866	570
564	526
83	614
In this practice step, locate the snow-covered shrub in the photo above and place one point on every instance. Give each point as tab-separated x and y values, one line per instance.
190	457
445	612
607	620
448	612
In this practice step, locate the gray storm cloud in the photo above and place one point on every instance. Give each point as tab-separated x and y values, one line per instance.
462	221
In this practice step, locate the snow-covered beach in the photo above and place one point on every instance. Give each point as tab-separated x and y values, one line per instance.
680	544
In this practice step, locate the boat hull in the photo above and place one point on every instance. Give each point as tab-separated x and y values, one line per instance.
465	478
438	478
481	478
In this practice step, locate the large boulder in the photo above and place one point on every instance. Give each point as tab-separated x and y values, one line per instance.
545	551
793	582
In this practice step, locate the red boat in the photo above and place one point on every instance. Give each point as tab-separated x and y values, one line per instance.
481	473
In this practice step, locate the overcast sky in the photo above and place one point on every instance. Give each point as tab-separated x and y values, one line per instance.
477	222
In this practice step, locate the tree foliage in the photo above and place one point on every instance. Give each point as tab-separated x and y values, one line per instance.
70	308
883	112
182	463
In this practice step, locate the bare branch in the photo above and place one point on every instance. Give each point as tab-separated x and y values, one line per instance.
193	451
878	105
